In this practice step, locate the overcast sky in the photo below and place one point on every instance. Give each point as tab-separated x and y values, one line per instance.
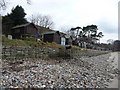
73	13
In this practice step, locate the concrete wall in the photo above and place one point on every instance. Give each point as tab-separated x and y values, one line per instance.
20	52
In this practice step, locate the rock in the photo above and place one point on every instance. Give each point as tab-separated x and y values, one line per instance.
43	86
90	72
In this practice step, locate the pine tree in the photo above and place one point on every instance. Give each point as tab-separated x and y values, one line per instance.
18	15
7	24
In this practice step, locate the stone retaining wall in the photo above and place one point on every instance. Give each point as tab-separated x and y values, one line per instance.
19	52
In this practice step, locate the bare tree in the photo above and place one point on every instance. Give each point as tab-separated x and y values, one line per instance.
28	1
3	4
65	28
42	20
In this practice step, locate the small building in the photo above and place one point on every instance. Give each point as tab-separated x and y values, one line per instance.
68	40
63	40
74	41
24	30
42	30
51	37
116	45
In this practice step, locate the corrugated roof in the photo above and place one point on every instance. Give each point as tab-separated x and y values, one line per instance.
49	33
22	25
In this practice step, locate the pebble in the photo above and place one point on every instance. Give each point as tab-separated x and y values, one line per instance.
90	72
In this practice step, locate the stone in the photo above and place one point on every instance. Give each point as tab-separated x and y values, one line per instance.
66	74
43	86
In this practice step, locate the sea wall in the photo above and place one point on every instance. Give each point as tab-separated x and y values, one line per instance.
20	52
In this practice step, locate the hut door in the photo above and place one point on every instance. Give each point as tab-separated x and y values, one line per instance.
62	41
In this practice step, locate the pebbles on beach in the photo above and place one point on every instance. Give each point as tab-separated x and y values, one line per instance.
89	72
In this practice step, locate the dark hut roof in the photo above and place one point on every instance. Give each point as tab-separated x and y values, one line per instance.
52	32
23	25
43	29
49	33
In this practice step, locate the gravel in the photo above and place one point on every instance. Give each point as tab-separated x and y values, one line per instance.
85	72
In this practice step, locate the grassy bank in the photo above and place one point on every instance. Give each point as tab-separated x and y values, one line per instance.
33	43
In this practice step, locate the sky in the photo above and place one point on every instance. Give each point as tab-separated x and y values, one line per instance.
72	13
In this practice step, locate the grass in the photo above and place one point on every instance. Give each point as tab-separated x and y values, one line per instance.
78	48
32	43
13	42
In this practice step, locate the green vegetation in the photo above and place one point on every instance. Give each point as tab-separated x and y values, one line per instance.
14	42
78	48
32	43
89	34
17	42
16	17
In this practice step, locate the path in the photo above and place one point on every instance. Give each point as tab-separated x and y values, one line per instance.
114	60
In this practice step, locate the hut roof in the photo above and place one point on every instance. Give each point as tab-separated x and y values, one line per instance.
23	25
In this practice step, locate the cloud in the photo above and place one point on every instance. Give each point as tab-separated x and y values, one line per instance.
108	36
107	25
72	13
